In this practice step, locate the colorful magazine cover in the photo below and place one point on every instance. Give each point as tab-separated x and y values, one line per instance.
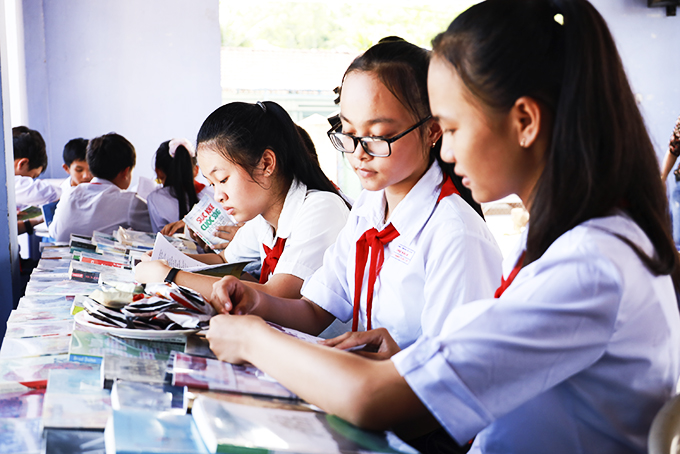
216	375
33	372
91	347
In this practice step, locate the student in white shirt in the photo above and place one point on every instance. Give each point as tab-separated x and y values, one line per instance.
30	161
581	347
176	169
438	253
75	164
103	204
262	174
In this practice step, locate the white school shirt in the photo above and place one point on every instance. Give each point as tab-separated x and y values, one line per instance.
576	356
98	205
33	192
164	207
310	221
444	256
66	187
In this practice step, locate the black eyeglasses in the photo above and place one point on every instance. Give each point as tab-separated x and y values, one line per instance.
379	147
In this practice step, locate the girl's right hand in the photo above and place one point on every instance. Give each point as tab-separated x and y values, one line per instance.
146	257
231	296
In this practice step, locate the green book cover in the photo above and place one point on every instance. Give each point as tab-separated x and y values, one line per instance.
29	213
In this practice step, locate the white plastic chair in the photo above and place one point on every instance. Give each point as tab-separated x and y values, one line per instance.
664	434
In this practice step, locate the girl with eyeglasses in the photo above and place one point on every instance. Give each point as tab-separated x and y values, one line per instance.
415	245
263	174
581	346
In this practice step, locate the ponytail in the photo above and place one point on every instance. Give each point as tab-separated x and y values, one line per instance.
176	160
242	132
600	158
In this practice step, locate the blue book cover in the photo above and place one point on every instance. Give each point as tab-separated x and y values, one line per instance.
48	212
145	432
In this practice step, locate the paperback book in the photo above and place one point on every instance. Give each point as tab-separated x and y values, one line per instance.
133	370
139	431
216	375
21	402
34	346
90	348
205	217
71	441
232	427
21	435
52	328
33	372
149	396
74	400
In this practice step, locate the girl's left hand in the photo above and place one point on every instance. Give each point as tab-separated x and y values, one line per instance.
173	227
379	343
229	335
151	271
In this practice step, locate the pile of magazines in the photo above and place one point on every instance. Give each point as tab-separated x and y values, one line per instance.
162	306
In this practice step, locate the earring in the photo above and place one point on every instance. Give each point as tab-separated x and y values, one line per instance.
523	142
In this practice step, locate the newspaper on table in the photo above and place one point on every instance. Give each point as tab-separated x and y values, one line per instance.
205	217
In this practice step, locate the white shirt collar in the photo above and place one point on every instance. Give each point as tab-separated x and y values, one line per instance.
291	205
413	211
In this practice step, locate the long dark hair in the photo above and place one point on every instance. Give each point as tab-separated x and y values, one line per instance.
600	157
241	133
179	175
402	68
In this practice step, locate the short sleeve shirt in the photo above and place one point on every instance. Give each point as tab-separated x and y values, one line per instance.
577	355
444	256
310	221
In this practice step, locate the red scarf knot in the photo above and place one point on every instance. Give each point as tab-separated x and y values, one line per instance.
272	259
376	241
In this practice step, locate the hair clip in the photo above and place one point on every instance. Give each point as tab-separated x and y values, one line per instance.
559	18
261	104
174	143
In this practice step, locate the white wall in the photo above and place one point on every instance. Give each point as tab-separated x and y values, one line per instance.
149	70
649	44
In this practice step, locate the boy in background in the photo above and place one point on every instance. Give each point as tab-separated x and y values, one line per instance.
103	204
30	160
75	164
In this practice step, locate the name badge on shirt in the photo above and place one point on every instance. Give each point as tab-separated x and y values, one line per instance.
403	254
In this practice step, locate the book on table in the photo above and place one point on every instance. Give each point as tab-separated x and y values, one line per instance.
74	441
74	399
149	396
143	431
216	375
33	372
133	369
89	347
231	427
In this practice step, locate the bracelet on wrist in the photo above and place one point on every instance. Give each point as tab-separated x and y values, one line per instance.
172	274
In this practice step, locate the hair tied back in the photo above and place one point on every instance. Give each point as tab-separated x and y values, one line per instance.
174	143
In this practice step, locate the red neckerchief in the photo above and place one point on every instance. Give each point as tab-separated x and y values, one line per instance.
272	259
198	187
505	283
377	241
